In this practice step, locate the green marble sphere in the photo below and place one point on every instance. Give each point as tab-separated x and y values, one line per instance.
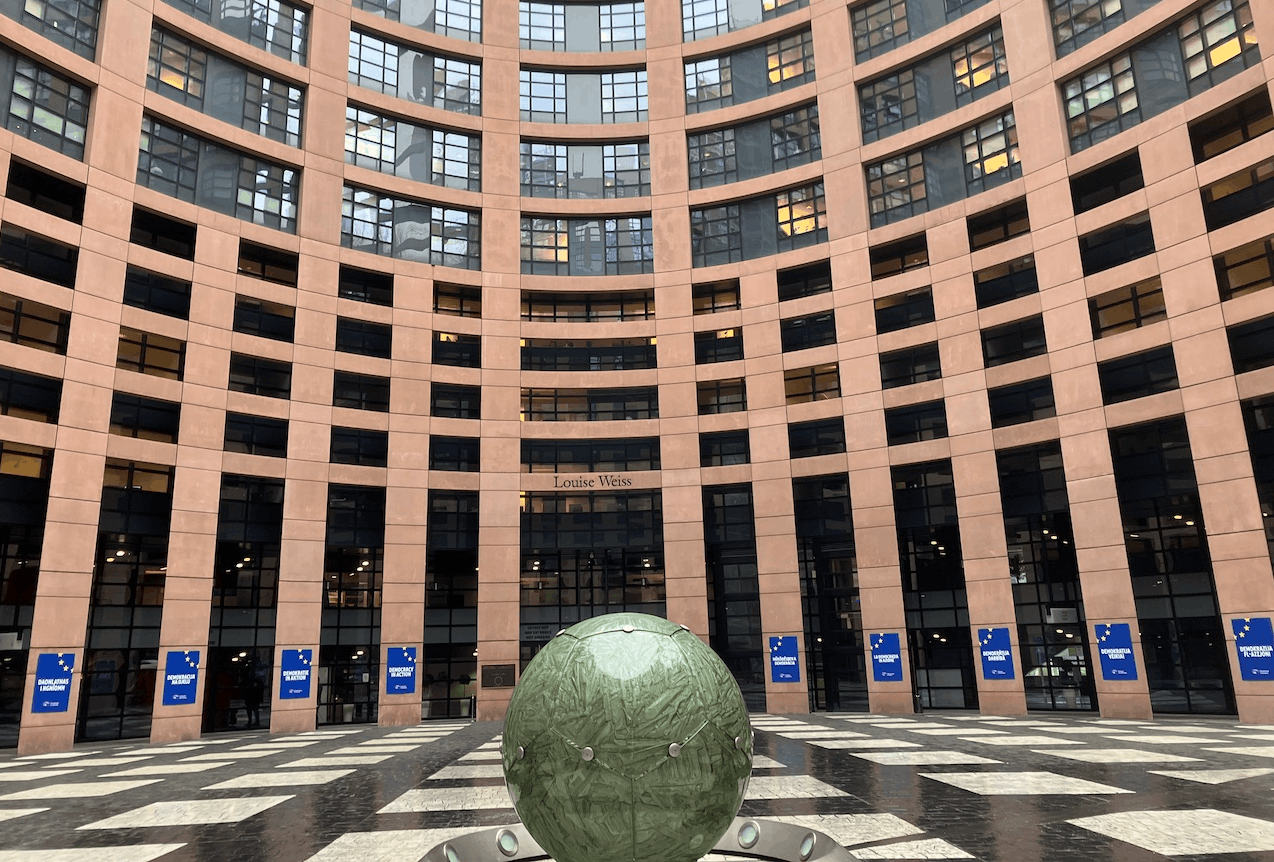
627	740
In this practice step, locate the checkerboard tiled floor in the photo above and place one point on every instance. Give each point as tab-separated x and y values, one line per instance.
1071	788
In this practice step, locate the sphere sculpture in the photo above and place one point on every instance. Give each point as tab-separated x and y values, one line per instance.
627	740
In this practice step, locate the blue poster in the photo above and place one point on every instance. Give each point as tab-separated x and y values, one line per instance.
997	653
181	677
1254	640
295	677
886	657
53	682
401	678
1114	649
784	666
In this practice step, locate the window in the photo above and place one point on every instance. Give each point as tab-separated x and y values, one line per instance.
1239	195
619	170
1252	344
46	192
259	376
710	82
1100	103
542	96
590	455
70	23
266	319
721	345
758	148
223	179
145	418
1006	282
365	337
809	280
422	153
148	353
990	153
1212	37
360	391
712	158
700	18
1245	269
1127	308
457	299
1138	375
158	293
252	100
713	296
614	246
457	348
428	79
915	423
559	97
980	66
33	324
813	330
910	365
455	454
162	234
724	448
624	96
820	437
268	264
361	446
1078	22
590	405
790	59
623	26
592	306
363	285
896	188
998	225
888	105
1235	125
1107	183
1021	402
816	383
1010	342
45	106
722	396
459	19
29	396
716	235
899	256
904	309
28	462
1117	244
411	230
256	435
542	26
37	256
455	402
802	216
878	27
794	138
272	25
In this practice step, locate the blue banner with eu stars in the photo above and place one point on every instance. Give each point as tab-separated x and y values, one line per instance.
1254	640
294	679
53	682
886	657
401	676
784	666
1114	650
997	653
181	677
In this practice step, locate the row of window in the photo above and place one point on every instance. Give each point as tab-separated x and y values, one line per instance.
582	27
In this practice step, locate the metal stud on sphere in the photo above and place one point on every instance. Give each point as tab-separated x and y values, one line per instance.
627	740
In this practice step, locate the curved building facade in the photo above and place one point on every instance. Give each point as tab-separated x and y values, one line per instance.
911	352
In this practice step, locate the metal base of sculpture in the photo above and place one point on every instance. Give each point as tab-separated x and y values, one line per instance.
753	837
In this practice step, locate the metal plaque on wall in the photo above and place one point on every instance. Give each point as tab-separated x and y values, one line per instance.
499	676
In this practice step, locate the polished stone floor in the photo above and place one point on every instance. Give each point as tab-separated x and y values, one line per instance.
1072	788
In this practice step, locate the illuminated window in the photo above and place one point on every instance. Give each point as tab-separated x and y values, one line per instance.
878	27
989	148
896	187
148	353
1101	102
71	23
801	211
791	59
816	383
1212	37
979	65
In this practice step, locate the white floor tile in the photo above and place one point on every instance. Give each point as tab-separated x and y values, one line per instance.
1020	741
760	761
961	731
15	813
311	762
57	755
918	725
824	733
229	755
34	775
94	762
281	778
494	770
928	848
76	791
920	758
1184	833
1212	776
1166	739
135	853
190	812
1254	751
166	769
480	757
789	787
276	746
355	750
851	829
1021	783
1119	755
861	744
450	799
394	845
